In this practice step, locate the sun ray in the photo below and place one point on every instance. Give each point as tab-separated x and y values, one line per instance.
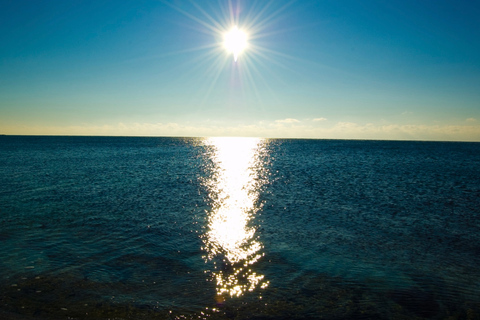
262	21
217	25
262	35
209	59
231	11
214	79
252	22
272	59
231	24
224	14
200	21
264	81
252	84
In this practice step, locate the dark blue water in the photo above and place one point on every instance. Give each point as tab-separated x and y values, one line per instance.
172	228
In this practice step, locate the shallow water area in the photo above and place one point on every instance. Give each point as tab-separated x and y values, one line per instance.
231	228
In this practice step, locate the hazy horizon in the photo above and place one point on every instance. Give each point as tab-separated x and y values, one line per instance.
240	137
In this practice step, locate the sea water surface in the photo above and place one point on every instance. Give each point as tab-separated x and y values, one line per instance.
238	228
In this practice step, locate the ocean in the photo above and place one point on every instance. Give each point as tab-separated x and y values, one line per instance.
238	228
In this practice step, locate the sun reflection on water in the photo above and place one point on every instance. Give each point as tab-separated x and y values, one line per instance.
230	241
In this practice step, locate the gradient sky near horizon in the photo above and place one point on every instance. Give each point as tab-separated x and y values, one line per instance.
313	69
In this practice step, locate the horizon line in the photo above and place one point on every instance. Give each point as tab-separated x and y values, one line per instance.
219	136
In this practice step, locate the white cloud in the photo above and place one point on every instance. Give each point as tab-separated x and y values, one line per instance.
288	120
471	120
287	128
320	119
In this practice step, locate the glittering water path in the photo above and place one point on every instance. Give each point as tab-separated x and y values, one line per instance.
142	228
233	188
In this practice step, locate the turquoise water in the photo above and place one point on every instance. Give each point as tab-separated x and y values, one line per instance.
142	228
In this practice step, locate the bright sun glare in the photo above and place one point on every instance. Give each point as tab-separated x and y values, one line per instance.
236	30
235	41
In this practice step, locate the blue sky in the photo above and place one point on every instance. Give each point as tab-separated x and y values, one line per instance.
312	69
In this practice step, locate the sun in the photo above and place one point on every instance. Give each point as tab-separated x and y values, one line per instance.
235	29
235	41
